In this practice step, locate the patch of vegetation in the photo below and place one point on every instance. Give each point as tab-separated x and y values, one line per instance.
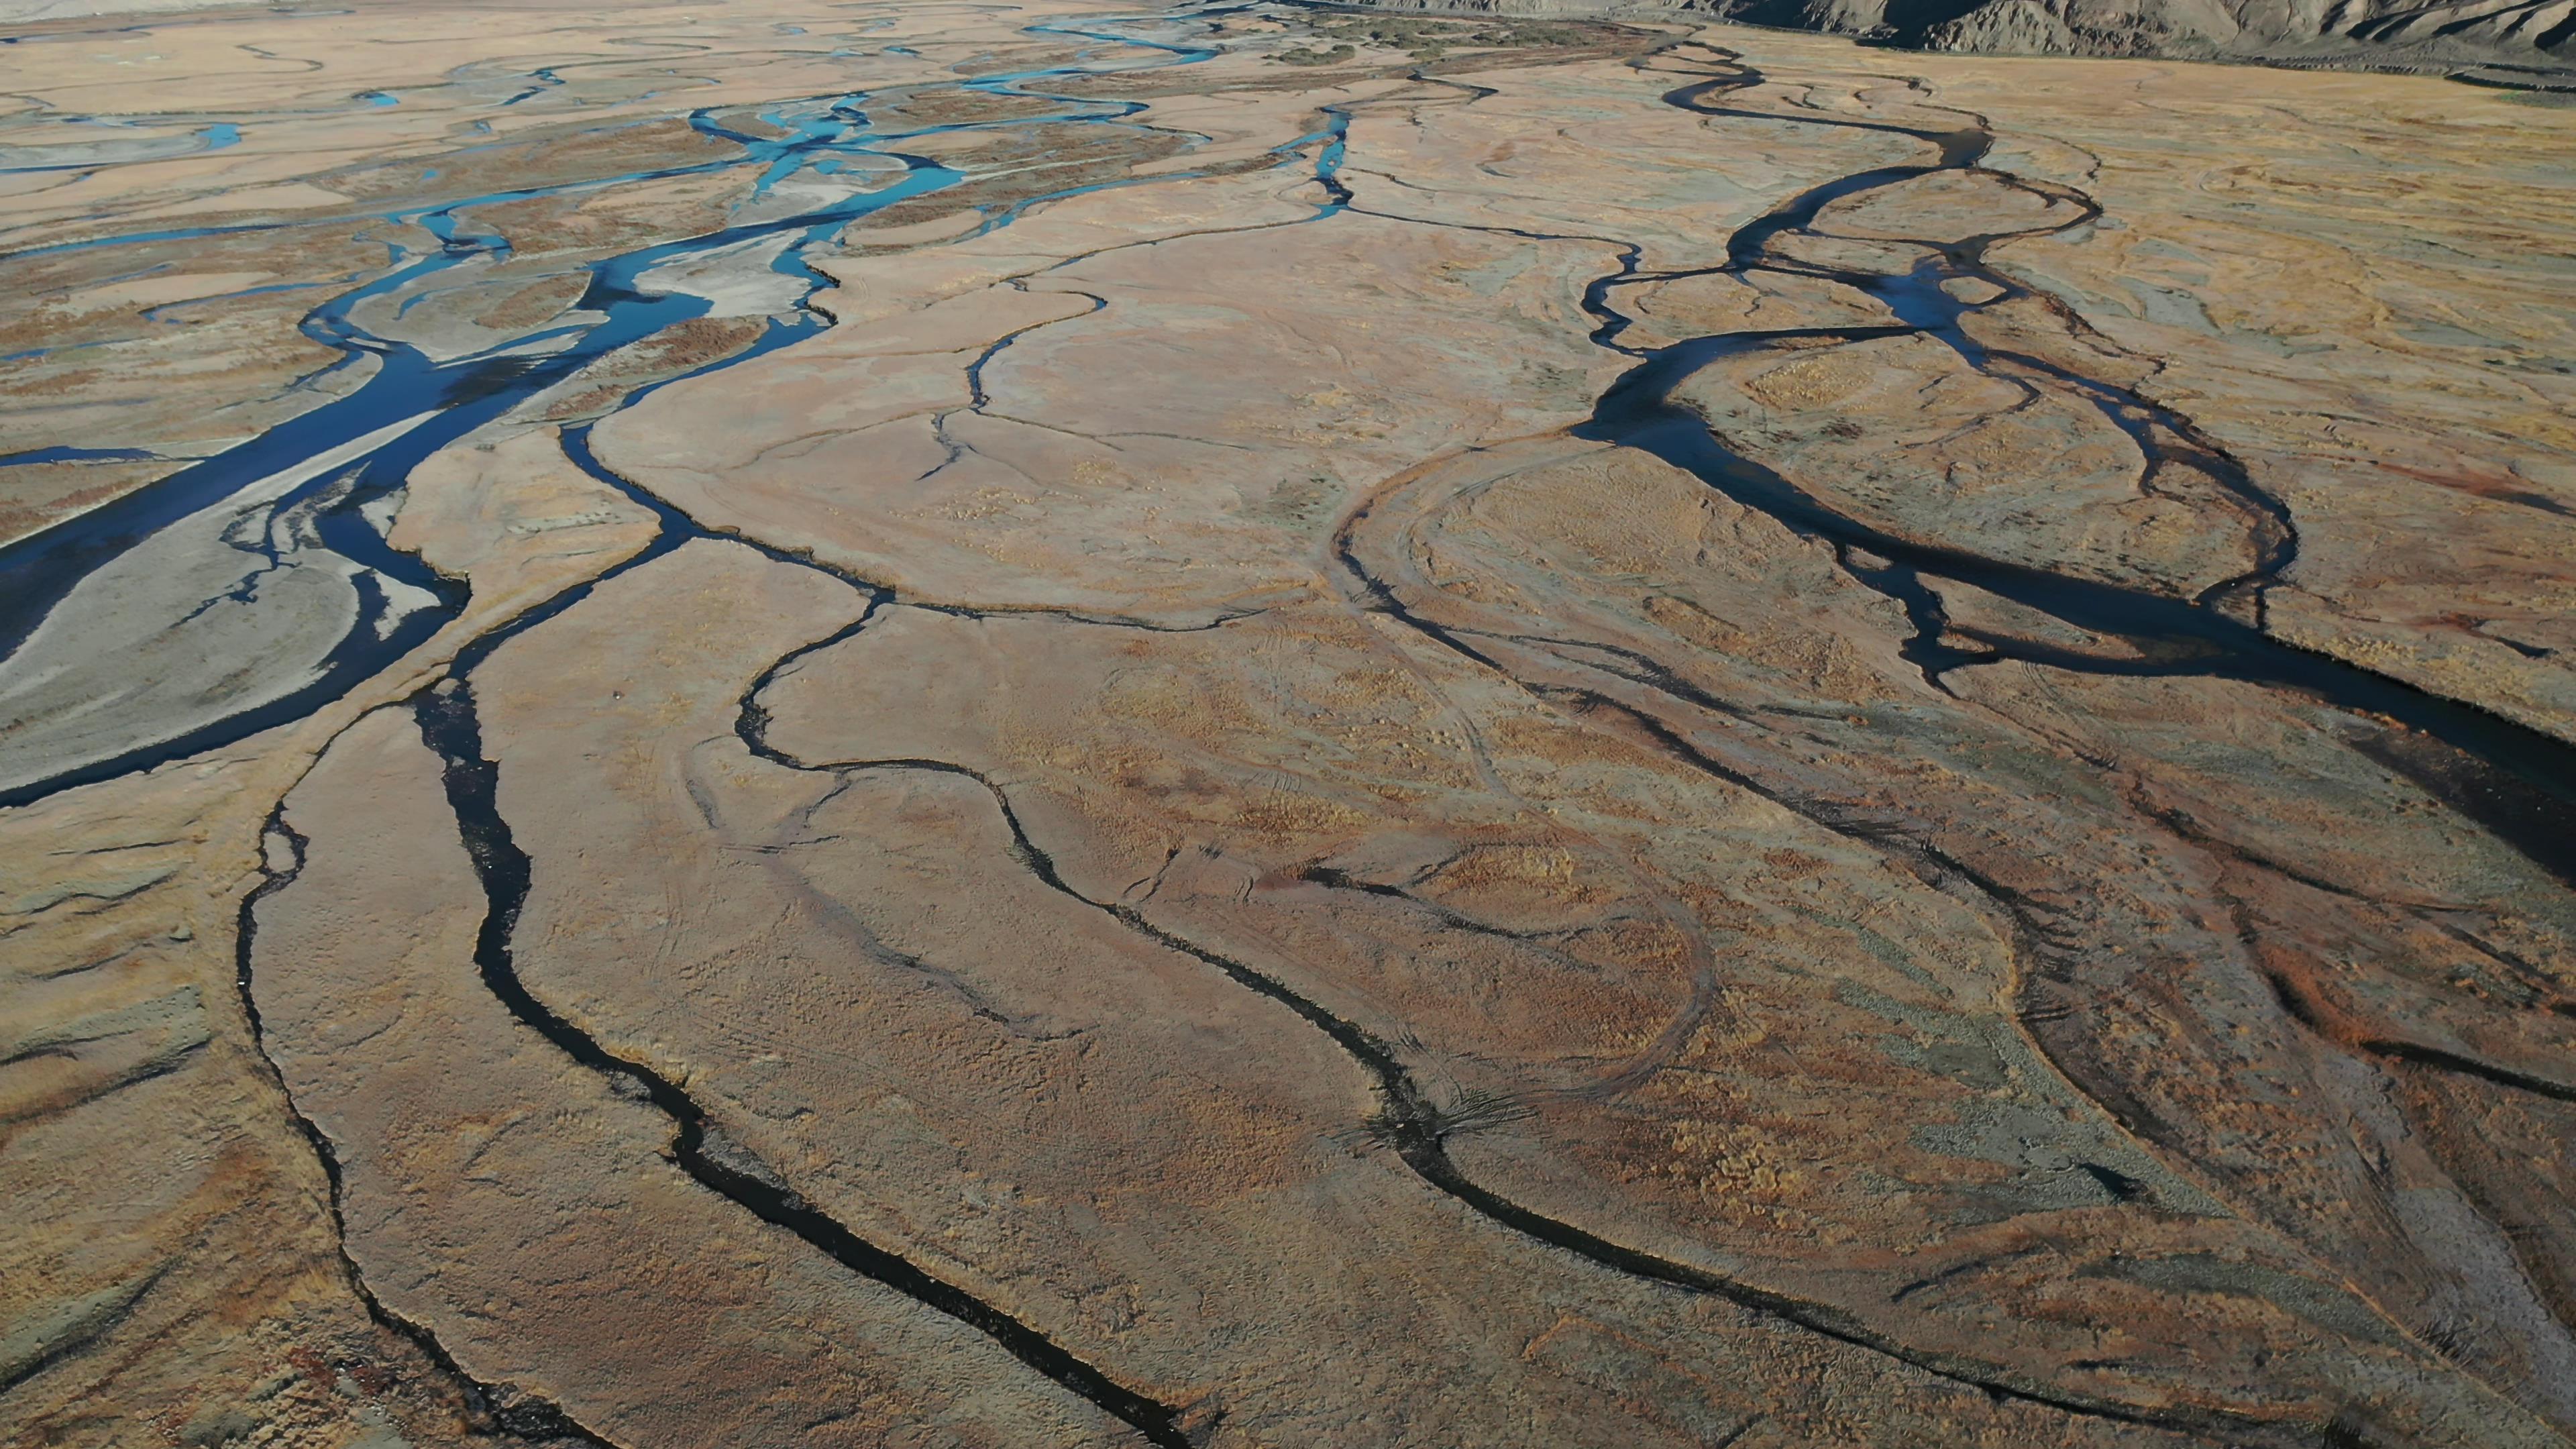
1307	55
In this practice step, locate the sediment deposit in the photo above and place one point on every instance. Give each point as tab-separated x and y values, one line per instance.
927	725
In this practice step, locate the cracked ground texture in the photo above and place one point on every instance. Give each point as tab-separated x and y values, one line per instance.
1574	736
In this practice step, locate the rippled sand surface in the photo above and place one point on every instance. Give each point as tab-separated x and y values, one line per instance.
927	724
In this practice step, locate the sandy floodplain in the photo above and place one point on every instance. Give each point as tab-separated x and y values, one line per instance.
1006	725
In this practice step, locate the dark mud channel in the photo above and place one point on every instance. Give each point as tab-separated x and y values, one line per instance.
470	395
448	725
2519	783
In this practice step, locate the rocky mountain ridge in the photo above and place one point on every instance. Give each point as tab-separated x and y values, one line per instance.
2521	43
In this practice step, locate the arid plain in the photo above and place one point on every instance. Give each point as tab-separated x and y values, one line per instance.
969	724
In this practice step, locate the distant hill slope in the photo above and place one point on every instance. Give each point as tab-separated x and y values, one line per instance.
2510	42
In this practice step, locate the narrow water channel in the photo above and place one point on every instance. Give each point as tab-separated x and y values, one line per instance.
273	553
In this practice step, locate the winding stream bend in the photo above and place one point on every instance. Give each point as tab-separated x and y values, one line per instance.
291	506
299	493
2218	633
297	498
2518	782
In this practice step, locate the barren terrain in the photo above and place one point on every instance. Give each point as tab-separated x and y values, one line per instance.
951	724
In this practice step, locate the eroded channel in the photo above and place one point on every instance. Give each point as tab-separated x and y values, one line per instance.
332	466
